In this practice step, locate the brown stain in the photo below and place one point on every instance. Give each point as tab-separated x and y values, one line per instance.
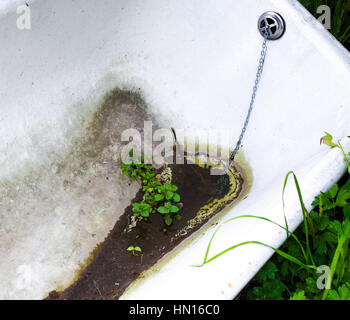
222	292
229	284
112	263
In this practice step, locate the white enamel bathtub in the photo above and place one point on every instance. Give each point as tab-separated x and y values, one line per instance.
194	63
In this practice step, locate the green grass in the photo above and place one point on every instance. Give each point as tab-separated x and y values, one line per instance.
340	17
323	240
297	269
282	278
328	223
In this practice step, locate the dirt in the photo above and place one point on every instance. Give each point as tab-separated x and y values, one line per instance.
112	268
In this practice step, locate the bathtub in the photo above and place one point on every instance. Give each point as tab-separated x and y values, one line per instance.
194	65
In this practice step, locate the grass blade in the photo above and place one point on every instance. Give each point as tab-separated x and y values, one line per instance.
281	253
256	217
305	213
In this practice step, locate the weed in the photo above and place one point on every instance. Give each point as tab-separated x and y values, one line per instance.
136	169
328	140
159	197
292	272
142	209
135	250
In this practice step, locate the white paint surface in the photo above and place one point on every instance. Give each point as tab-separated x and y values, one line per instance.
195	62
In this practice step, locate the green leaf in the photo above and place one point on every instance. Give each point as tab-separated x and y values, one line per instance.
174	209
168	220
333	295
178	217
145	214
335	227
328	140
346	211
166	186
167	205
324	222
163	210
333	190
158	197
176	197
131	248
169	195
284	268
137	248
270	290
324	199
319	245
342	293
311	285
299	295
342	198
173	188
267	271
330	237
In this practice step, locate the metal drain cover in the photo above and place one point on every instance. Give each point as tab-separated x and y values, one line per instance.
275	23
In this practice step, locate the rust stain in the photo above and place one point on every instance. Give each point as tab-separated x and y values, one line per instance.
229	284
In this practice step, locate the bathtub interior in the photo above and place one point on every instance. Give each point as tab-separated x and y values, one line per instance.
193	63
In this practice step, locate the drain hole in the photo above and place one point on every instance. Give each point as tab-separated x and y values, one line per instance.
275	22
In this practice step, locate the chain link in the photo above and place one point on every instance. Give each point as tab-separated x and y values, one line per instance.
255	89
